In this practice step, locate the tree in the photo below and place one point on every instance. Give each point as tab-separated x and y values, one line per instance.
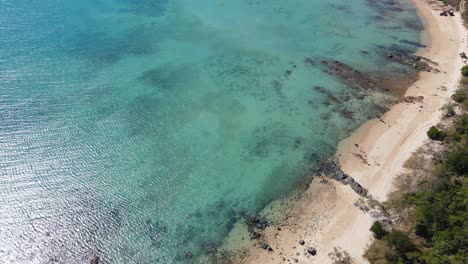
378	230
401	244
464	70
436	134
460	95
449	109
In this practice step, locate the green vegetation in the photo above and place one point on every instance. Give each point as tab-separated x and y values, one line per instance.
395	247
378	230
338	256
464	71
449	110
436	134
461	94
432	205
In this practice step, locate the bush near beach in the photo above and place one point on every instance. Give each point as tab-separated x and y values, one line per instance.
464	71
429	210
436	134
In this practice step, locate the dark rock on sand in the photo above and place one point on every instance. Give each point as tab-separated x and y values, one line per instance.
255	225
356	187
257	221
301	242
332	169
312	251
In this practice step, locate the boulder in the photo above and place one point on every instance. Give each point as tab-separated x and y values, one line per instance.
312	251
356	187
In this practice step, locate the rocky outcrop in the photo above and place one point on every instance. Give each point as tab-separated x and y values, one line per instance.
255	226
332	169
417	62
346	73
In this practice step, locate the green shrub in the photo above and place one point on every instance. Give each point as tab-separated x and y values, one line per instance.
459	96
449	109
378	230
464	70
436	134
457	162
377	252
401	244
461	126
422	230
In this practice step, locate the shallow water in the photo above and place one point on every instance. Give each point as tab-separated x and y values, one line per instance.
141	130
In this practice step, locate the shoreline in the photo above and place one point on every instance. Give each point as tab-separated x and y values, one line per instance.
325	215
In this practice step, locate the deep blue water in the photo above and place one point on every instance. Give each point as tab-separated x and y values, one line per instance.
141	130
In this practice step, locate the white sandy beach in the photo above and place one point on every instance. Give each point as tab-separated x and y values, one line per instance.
324	215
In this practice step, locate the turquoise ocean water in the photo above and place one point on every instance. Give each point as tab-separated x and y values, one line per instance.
138	130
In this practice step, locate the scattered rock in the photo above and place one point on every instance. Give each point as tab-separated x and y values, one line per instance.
265	246
255	225
257	221
301	242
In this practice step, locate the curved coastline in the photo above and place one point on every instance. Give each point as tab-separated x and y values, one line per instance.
325	215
